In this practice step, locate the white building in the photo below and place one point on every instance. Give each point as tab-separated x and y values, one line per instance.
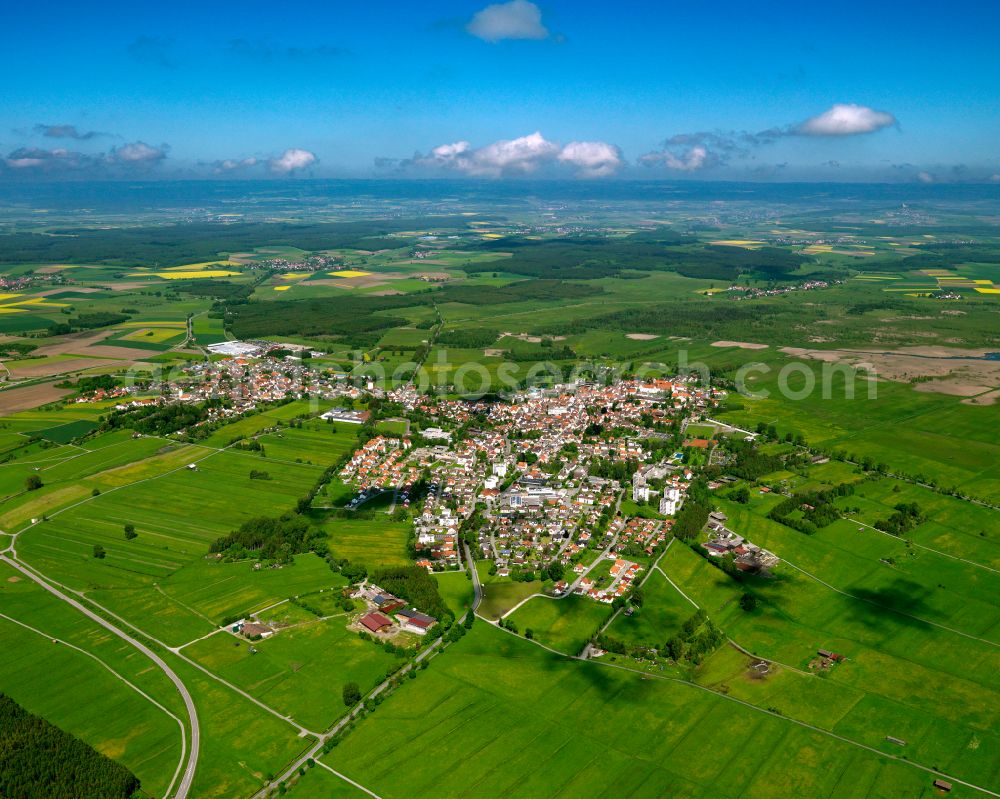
435	434
670	501
640	489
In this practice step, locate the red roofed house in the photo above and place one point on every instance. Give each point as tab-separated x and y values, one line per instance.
376	622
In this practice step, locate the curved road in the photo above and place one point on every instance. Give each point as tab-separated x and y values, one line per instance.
316	751
184	787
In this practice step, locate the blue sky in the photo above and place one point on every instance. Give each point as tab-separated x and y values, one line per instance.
834	91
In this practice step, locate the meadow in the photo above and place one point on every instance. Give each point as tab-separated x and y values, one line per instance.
500	594
492	698
662	613
301	670
903	676
563	624
369	542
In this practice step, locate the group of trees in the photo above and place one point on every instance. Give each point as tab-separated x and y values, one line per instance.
693	515
697	638
620	470
351	694
810	511
751	463
272	539
906	516
87	321
415	585
39	759
161	420
88	384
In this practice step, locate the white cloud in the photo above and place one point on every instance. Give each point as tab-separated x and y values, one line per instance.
594	159
925	177
233	164
517	19
691	161
845	119
522	156
292	160
448	152
137	153
34	157
686	159
995	178
507	156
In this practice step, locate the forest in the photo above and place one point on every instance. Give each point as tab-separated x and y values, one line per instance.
592	258
40	761
355	316
176	245
684	318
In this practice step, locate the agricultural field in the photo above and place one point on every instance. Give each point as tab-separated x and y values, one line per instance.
370	542
116	719
299	671
606	730
563	624
901	678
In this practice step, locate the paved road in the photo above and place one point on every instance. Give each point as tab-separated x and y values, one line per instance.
184	787
316	750
476	587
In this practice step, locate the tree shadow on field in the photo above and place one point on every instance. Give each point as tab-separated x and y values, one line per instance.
600	677
900	602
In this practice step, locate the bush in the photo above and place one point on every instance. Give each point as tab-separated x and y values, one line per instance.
748	602
352	694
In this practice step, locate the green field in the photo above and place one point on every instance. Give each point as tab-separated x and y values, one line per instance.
662	613
300	670
563	624
604	731
500	594
370	542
